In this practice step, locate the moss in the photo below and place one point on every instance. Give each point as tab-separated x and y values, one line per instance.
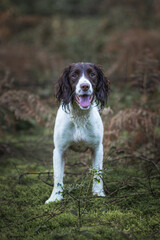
129	210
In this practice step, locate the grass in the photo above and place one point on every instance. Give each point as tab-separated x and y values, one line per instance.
129	210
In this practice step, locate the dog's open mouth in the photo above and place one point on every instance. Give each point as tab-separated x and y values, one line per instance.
84	100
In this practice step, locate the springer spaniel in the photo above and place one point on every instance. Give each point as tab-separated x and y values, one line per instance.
82	90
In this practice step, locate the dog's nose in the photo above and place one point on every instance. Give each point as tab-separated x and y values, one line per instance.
84	86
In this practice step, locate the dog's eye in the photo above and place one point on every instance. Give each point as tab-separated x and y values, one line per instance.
92	74
74	75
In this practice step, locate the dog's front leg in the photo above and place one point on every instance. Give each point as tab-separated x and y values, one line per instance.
97	166
58	167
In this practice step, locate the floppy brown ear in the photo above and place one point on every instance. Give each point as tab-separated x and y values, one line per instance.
102	88
63	87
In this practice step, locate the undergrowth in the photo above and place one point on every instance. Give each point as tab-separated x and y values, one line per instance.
129	210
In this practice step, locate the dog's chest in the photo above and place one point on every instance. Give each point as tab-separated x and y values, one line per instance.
82	138
80	133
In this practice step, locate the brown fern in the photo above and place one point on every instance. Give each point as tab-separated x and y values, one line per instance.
24	106
137	120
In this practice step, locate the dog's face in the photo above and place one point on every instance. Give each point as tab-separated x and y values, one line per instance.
82	82
83	79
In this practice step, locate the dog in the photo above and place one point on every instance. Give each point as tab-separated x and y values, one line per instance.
82	90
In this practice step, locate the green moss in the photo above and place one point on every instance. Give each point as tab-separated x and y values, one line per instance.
129	210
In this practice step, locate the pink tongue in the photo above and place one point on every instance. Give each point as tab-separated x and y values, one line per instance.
84	101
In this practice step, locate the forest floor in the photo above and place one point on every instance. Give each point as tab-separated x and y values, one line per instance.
130	209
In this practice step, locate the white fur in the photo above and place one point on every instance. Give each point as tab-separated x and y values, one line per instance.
83	79
79	129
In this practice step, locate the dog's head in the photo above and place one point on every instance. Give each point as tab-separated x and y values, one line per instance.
82	82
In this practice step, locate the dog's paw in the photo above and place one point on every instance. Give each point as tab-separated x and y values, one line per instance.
99	193
54	197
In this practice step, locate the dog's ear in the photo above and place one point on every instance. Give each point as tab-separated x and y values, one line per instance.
63	87
102	88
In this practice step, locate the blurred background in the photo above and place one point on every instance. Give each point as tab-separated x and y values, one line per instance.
37	40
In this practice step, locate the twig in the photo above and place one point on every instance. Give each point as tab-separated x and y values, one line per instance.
51	215
153	163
